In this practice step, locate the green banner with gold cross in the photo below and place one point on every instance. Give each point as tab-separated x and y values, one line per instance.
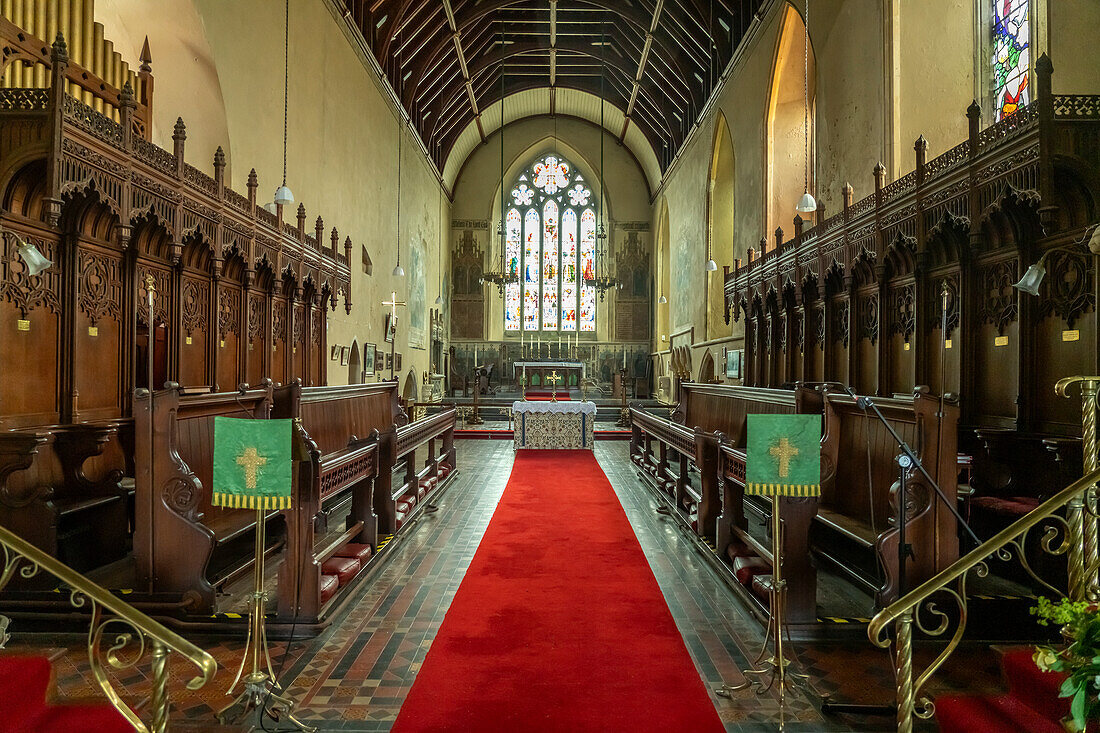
784	455
252	463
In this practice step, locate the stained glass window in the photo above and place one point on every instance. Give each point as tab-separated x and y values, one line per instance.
1011	58
550	241
512	256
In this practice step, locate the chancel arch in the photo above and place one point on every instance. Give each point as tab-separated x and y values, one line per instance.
789	157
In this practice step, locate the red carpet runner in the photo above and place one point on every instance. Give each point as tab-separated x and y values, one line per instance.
559	624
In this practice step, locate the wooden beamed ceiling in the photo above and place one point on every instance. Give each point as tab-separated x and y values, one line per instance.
658	61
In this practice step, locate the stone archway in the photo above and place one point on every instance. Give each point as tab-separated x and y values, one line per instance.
355	365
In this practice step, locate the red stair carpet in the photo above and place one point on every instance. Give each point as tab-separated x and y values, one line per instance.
559	624
24	684
1032	703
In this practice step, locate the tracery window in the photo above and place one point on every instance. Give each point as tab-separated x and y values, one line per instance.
550	244
1011	56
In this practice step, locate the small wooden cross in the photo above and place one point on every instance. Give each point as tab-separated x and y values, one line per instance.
393	303
783	452
250	461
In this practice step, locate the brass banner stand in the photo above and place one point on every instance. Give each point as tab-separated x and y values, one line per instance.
768	672
553	379
624	411
260	686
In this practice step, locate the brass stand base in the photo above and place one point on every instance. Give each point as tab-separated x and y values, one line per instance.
624	418
261	692
771	670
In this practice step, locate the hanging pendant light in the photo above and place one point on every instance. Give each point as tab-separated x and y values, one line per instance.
35	261
601	280
711	265
807	203
498	274
283	196
439	249
662	300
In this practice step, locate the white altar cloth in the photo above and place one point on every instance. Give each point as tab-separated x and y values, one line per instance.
556	425
565	406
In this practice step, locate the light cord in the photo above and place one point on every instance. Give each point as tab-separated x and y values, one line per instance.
286	81
806	101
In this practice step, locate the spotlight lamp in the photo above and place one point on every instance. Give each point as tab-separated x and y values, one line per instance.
1034	275
35	261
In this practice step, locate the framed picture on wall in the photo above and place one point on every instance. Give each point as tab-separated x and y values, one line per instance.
369	351
733	363
397	362
390	328
334	354
345	352
389	361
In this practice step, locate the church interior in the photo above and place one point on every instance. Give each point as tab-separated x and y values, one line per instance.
549	365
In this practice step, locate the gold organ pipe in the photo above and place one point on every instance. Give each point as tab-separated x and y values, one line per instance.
14	75
39	29
97	59
26	76
6	7
87	35
108	73
118	73
49	32
64	24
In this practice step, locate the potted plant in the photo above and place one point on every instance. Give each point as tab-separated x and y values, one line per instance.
1079	658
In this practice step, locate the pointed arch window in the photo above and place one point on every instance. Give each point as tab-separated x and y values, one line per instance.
550	243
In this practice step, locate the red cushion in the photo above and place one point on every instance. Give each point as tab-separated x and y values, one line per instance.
761	586
360	552
422	493
745	568
1013	506
344	568
329	584
736	549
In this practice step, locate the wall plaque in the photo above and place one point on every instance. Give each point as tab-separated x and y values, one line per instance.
1000	341
1074	335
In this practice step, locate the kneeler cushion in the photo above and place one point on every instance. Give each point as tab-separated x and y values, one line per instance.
746	568
329	584
360	552
344	568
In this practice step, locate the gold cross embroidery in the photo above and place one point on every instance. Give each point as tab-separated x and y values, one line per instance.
783	452
250	461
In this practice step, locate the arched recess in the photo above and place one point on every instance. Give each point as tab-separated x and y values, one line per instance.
720	205
706	368
663	278
408	390
355	365
785	161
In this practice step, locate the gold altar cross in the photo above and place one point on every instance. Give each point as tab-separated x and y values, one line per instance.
393	302
783	452
250	461
553	378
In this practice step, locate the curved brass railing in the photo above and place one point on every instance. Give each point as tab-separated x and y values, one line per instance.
134	634
1061	536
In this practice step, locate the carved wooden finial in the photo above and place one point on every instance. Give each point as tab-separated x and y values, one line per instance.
179	132
60	49
146	57
253	179
219	158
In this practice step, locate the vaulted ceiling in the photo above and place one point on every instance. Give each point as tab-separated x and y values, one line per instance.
654	61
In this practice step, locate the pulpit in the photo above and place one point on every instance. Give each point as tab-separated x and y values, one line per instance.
560	425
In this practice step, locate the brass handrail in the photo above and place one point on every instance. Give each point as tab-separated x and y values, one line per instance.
904	612
83	591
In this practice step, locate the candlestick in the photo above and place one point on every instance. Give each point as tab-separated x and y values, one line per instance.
624	358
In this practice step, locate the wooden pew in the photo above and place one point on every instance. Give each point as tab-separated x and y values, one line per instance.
61	500
396	505
183	545
858	488
339	429
670	469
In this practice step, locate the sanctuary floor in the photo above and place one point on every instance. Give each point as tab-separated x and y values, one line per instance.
355	676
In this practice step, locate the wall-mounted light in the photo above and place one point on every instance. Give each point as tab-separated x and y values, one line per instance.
1031	280
35	261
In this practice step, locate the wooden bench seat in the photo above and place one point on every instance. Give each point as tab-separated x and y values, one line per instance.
435	433
184	545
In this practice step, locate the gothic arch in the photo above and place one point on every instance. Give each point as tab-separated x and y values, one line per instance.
720	222
784	167
355	365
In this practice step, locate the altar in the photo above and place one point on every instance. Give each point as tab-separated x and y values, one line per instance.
571	373
559	425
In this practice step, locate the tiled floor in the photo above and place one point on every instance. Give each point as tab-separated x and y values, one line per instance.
355	675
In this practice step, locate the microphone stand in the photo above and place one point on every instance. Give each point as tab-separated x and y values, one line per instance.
906	461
